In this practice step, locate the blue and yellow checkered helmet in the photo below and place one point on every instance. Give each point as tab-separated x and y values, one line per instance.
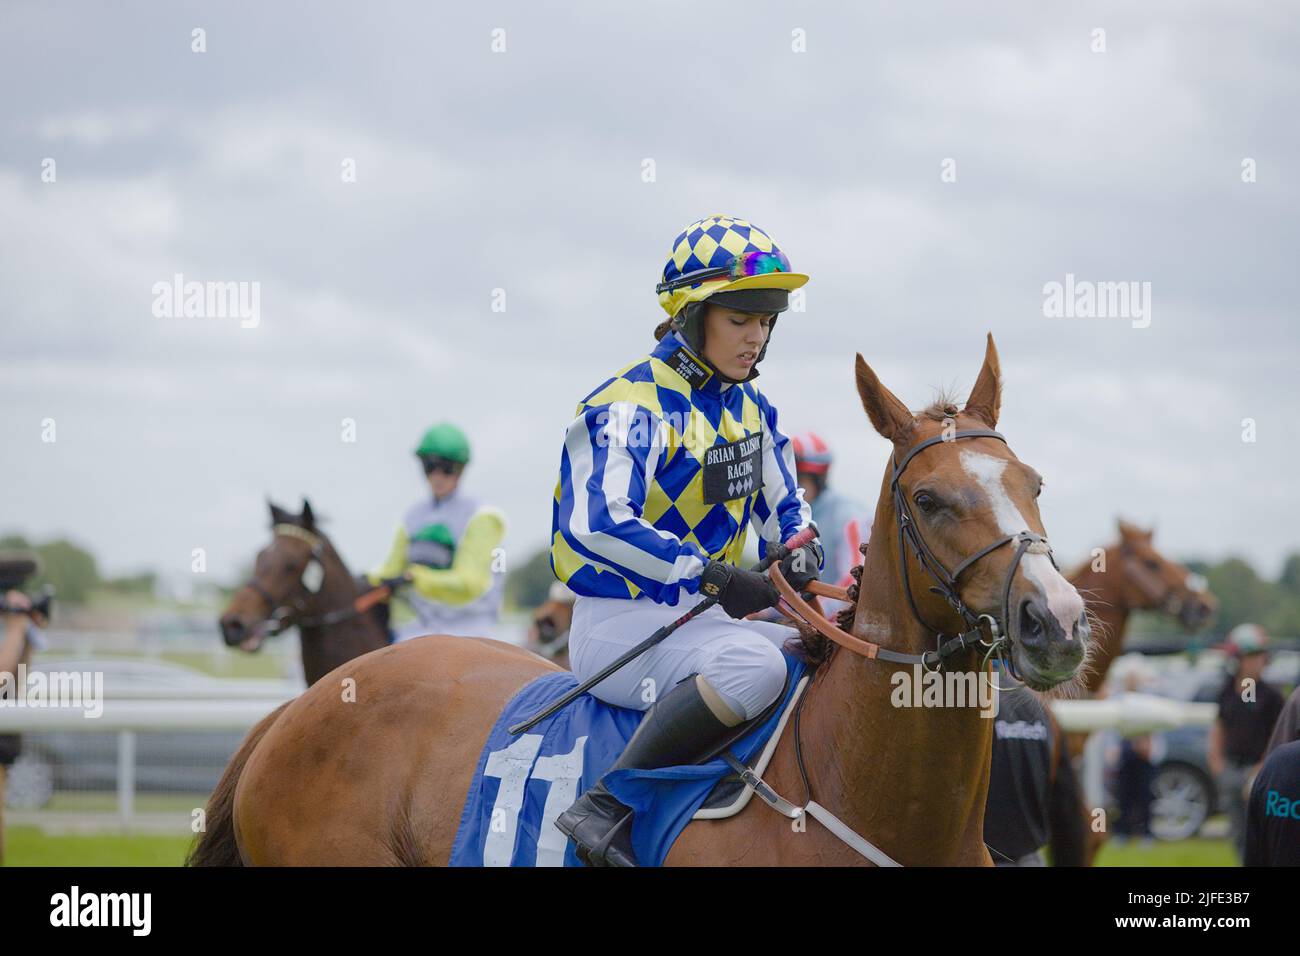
713	243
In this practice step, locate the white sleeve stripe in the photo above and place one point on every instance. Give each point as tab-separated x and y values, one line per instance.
614	487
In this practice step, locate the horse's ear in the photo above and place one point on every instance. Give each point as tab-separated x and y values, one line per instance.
308	519
888	415
278	514
985	401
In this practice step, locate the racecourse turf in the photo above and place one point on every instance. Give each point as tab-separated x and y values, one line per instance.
28	846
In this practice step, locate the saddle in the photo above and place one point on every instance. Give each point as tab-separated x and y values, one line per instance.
524	781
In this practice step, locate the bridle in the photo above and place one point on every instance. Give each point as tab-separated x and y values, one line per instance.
1174	598
947	584
285	614
983	630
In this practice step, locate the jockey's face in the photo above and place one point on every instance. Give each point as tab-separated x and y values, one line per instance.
732	340
810	485
443	484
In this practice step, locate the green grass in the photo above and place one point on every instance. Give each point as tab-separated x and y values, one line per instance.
1197	852
230	663
224	662
29	846
105	801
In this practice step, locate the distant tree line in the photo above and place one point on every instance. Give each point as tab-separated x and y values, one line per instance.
1243	595
73	571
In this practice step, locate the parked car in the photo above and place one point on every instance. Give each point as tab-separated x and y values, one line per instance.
1184	790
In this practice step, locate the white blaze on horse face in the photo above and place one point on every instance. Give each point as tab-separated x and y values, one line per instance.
1062	599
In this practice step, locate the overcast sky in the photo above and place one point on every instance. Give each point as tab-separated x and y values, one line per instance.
525	170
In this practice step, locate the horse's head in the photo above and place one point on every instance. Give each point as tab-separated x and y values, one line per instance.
551	621
288	574
1152	582
966	512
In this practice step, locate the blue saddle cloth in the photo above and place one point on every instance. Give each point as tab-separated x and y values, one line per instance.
522	784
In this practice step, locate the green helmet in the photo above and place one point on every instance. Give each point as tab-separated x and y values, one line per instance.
444	441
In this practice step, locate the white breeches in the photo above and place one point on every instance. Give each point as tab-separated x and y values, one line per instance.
740	659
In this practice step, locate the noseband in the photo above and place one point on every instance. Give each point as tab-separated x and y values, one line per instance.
947	584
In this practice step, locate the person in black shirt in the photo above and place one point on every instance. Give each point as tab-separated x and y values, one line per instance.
1033	795
1248	709
1273	814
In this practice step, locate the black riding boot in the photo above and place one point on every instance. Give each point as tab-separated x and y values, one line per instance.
678	729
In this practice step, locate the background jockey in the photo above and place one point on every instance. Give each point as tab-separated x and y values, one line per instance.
844	524
446	548
663	468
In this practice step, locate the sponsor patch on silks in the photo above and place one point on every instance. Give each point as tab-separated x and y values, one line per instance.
734	470
433	547
522	784
685	363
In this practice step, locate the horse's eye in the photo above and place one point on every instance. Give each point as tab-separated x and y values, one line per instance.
926	503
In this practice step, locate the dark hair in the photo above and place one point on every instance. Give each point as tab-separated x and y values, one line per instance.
666	326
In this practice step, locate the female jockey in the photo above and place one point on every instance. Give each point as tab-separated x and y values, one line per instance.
664	467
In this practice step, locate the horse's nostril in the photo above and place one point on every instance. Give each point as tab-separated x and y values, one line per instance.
1038	627
1082	629
1031	626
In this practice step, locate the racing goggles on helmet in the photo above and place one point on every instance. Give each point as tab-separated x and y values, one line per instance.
749	264
434	463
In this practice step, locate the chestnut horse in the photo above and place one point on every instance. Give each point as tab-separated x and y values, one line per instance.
1136	577
300	581
372	764
1129	576
548	635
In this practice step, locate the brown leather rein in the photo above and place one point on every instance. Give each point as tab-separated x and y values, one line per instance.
799	609
813	616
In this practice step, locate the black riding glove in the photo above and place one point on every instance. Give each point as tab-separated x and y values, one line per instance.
740	592
801	566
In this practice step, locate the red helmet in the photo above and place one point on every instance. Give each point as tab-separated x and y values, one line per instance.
811	454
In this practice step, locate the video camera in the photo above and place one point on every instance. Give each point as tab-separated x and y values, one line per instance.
14	570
